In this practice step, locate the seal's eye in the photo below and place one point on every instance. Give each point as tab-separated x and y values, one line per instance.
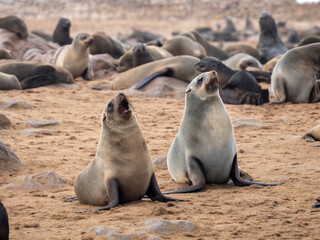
200	81
83	37
110	106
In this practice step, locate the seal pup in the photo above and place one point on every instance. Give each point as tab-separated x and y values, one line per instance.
313	135
317	204
204	150
15	25
122	169
4	223
241	61
141	55
294	76
75	57
61	33
270	44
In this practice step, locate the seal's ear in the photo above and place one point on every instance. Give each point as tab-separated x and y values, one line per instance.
189	88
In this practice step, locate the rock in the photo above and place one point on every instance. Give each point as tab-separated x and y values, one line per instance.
249	122
15	104
112	233
160	161
4	121
42	123
165	227
34	132
8	159
40	181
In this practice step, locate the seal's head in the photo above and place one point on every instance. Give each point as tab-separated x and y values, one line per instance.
208	64
204	85
83	39
64	23
16	25
140	49
267	24
118	110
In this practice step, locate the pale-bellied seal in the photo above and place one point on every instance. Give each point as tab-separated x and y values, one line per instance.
141	55
294	76
211	50
122	169
242	48
270	44
241	61
269	66
309	39
4	223
180	67
126	60
61	33
204	150
31	75
75	57
9	82
181	45
5	54
102	43
312	135
14	24
317	204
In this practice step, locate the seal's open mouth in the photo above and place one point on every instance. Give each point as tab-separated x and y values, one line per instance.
124	106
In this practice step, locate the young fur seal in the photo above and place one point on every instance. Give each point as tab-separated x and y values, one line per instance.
204	150
75	57
61	33
4	223
294	76
122	169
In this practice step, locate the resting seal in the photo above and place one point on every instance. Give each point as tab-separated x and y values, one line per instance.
5	54
4	223
15	25
61	33
309	40
241	61
75	57
9	82
204	150
312	135
270	44
294	76
122	169
242	48
141	55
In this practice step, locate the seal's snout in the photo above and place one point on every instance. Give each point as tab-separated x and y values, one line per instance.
212	81
89	41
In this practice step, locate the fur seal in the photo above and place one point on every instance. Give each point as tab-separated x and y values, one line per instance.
31	75
204	150
61	33
309	39
242	48
181	45
270	44
126	60
269	66
5	54
312	135
294	76
9	82
75	57
211	50
141	55
102	43
122	169
180	67
4	223
15	25
241	61
317	204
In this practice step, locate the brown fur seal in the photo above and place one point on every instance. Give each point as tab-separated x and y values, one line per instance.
75	57
270	44
126	60
204	150
9	82
241	61
4	223
61	33
15	25
32	75
122	169
181	45
141	55
210	49
294	76
5	54
269	66
312	135
242	48
103	43
180	67
309	40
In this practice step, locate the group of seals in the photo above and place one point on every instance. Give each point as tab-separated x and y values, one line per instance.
122	169
4	223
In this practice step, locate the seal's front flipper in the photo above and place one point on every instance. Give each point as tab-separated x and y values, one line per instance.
36	81
163	72
154	192
113	196
261	76
238	181
317	204
71	198
196	176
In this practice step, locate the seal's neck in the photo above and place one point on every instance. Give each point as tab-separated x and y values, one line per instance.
81	48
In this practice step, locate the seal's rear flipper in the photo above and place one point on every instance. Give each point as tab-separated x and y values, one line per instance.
113	196
238	181
163	72
36	81
196	176
317	204
261	76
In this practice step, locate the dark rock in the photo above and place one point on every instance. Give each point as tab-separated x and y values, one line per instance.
8	159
